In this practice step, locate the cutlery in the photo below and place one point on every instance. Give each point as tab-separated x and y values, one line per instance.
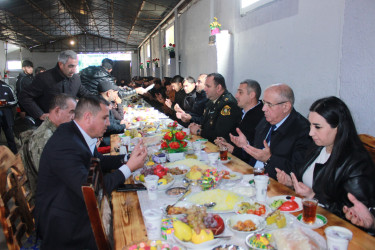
272	212
226	237
180	199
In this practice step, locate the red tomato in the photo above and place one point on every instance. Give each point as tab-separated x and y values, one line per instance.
262	210
289	206
250	211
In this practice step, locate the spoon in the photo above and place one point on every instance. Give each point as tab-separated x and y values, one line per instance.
210	204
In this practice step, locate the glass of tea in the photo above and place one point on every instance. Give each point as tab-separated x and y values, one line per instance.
309	210
223	153
258	171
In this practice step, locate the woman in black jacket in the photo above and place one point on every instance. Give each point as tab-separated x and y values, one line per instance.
338	163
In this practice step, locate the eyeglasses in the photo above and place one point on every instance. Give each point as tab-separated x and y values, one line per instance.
270	105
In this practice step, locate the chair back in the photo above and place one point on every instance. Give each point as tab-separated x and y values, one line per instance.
369	143
97	205
15	213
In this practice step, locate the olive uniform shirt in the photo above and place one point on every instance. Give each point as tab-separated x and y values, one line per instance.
220	117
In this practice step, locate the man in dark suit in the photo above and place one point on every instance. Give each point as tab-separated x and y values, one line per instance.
61	217
221	115
282	137
247	96
36	97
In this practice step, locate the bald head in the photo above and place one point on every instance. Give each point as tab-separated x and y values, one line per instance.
278	102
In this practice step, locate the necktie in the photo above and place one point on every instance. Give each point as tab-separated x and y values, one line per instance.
268	139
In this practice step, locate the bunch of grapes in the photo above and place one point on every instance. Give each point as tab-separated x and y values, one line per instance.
209	221
195	217
147	171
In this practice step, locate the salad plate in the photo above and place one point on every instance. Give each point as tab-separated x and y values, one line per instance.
276	201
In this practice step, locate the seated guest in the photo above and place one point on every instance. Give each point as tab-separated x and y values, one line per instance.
359	214
337	164
189	87
61	111
196	114
282	137
110	93
221	115
247	97
61	217
180	94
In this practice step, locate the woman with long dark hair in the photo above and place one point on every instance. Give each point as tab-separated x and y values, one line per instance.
337	164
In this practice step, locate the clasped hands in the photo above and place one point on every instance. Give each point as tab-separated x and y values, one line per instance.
291	181
194	128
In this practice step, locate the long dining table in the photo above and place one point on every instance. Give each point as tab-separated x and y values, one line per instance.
129	228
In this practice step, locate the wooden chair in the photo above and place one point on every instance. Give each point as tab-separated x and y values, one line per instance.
369	143
16	218
98	206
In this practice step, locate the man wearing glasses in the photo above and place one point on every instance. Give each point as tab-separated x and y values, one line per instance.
282	137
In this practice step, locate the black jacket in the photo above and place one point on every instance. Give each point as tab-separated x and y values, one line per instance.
61	216
93	75
220	118
354	174
36	97
179	98
288	143
115	126
198	107
23	80
247	127
6	113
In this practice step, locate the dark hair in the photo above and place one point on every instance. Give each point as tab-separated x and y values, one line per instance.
337	115
107	65
177	79
157	81
89	103
107	60
253	85
61	100
39	70
218	79
167	81
27	63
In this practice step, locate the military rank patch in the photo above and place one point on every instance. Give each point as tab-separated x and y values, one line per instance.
225	110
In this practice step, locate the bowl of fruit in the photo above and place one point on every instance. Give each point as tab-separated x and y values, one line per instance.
166	180
247	207
198	228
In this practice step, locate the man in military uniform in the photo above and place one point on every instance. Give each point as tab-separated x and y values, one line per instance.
61	111
221	115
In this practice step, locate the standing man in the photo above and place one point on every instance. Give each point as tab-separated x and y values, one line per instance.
25	78
61	216
93	75
37	97
247	97
8	101
61	111
282	137
221	115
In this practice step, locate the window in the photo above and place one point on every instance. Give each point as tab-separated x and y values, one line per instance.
249	5
148	51
85	60
14	65
169	35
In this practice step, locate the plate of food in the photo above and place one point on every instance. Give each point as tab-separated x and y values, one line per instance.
252	207
319	221
279	220
178	171
231	176
224	200
286	203
227	247
243	224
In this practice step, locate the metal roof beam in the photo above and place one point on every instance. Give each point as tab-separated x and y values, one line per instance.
92	16
18	33
36	7
71	14
135	19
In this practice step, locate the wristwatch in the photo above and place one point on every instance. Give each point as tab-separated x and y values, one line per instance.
267	162
198	132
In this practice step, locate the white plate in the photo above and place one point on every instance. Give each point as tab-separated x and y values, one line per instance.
284	197
234	176
225	162
191	245
182	167
258	221
290	219
237	207
168	185
319	222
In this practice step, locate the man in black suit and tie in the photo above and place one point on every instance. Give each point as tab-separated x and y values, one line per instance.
247	96
61	217
282	137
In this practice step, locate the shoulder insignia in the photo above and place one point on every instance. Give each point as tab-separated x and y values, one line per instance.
226	99
225	110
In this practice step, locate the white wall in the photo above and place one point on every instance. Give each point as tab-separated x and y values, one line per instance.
46	60
357	73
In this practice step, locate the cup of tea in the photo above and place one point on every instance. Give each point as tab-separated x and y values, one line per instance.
309	210
258	171
223	153
3	102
